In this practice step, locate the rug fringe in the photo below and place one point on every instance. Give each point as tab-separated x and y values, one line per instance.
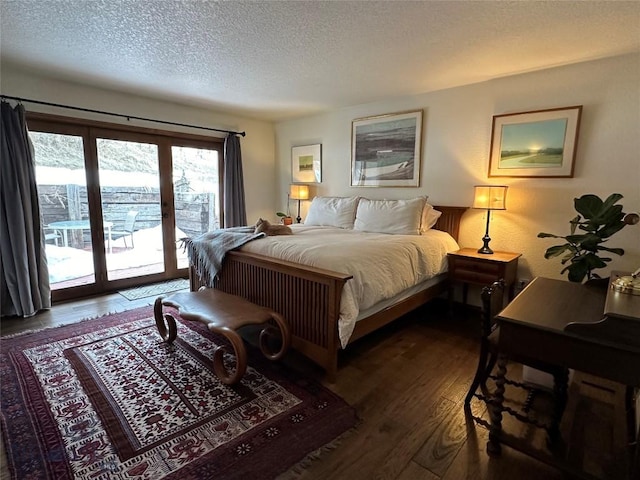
299	468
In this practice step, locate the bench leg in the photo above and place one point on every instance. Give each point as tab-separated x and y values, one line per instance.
285	337
218	356
169	331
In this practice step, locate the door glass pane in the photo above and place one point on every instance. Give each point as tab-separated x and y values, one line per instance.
62	191
195	189
130	192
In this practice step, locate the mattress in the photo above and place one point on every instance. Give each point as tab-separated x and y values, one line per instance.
385	268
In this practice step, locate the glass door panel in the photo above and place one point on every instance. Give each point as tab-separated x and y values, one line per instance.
196	194
62	191
132	219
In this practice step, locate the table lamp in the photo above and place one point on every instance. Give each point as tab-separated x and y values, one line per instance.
489	197
299	192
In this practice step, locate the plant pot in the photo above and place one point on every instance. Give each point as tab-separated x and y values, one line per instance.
287	220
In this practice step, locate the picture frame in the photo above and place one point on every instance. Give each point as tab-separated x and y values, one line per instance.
386	150
306	164
540	143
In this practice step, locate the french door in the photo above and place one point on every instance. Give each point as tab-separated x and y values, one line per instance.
116	202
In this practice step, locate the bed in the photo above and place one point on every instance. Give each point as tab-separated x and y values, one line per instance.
309	297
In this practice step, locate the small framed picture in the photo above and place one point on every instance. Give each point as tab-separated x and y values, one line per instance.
306	164
386	150
540	144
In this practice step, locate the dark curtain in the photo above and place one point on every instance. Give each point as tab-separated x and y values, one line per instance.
24	275
235	211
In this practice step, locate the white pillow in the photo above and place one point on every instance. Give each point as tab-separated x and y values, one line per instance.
429	217
390	216
332	212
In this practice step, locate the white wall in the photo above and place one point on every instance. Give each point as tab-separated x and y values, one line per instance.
456	142
257	146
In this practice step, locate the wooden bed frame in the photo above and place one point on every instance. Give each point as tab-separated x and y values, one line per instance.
309	298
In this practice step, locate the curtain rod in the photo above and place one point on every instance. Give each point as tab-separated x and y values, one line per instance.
128	117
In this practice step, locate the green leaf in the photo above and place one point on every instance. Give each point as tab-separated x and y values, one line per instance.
555	251
575	221
617	251
577	272
591	242
567	257
548	235
577	238
611	200
609	230
593	261
588	205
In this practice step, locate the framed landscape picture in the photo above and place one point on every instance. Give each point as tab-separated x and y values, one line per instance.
306	164
385	150
541	143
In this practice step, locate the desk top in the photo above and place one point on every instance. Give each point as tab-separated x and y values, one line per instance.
552	304
564	323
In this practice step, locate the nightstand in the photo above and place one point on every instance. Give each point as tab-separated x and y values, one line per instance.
468	266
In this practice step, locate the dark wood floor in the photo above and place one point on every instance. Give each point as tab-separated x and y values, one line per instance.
407	382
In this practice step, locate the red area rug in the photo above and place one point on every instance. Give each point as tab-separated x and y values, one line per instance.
107	399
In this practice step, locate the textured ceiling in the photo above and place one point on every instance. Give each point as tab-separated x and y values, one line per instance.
280	59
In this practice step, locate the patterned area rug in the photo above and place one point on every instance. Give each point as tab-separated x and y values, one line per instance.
155	290
107	399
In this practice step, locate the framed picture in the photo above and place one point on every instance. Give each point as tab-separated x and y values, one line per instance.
535	144
306	164
385	150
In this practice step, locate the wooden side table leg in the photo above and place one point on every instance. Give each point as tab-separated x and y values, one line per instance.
495	408
218	356
285	337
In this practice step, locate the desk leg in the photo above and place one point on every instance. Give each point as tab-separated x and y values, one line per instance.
560	393
496	408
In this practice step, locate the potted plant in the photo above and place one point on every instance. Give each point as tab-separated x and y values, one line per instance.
597	221
285	218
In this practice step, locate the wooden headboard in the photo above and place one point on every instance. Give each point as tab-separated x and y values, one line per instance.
449	221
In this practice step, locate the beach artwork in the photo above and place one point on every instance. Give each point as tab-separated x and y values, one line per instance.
386	150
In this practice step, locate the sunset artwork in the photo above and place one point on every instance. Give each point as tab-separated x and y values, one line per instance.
540	143
534	144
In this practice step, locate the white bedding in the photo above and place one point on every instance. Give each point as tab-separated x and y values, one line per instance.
382	265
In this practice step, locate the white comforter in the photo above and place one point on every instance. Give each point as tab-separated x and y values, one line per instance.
382	265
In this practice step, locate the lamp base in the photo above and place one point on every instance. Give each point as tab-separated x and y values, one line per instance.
486	250
485	245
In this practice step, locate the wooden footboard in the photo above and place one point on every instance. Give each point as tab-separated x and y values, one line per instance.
309	297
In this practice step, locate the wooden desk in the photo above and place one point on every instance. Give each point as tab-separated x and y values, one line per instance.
563	323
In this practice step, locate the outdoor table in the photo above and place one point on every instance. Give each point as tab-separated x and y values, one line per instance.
66	225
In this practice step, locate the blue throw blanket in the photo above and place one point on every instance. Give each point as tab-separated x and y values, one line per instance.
206	252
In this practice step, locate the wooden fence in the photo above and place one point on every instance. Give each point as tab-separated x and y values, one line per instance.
195	213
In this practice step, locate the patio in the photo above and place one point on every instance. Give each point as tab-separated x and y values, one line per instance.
69	267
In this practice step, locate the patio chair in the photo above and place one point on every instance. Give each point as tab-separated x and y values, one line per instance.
52	235
127	230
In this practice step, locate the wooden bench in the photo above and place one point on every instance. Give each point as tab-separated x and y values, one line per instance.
223	314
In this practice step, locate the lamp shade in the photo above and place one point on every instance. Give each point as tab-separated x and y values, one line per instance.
490	197
299	192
